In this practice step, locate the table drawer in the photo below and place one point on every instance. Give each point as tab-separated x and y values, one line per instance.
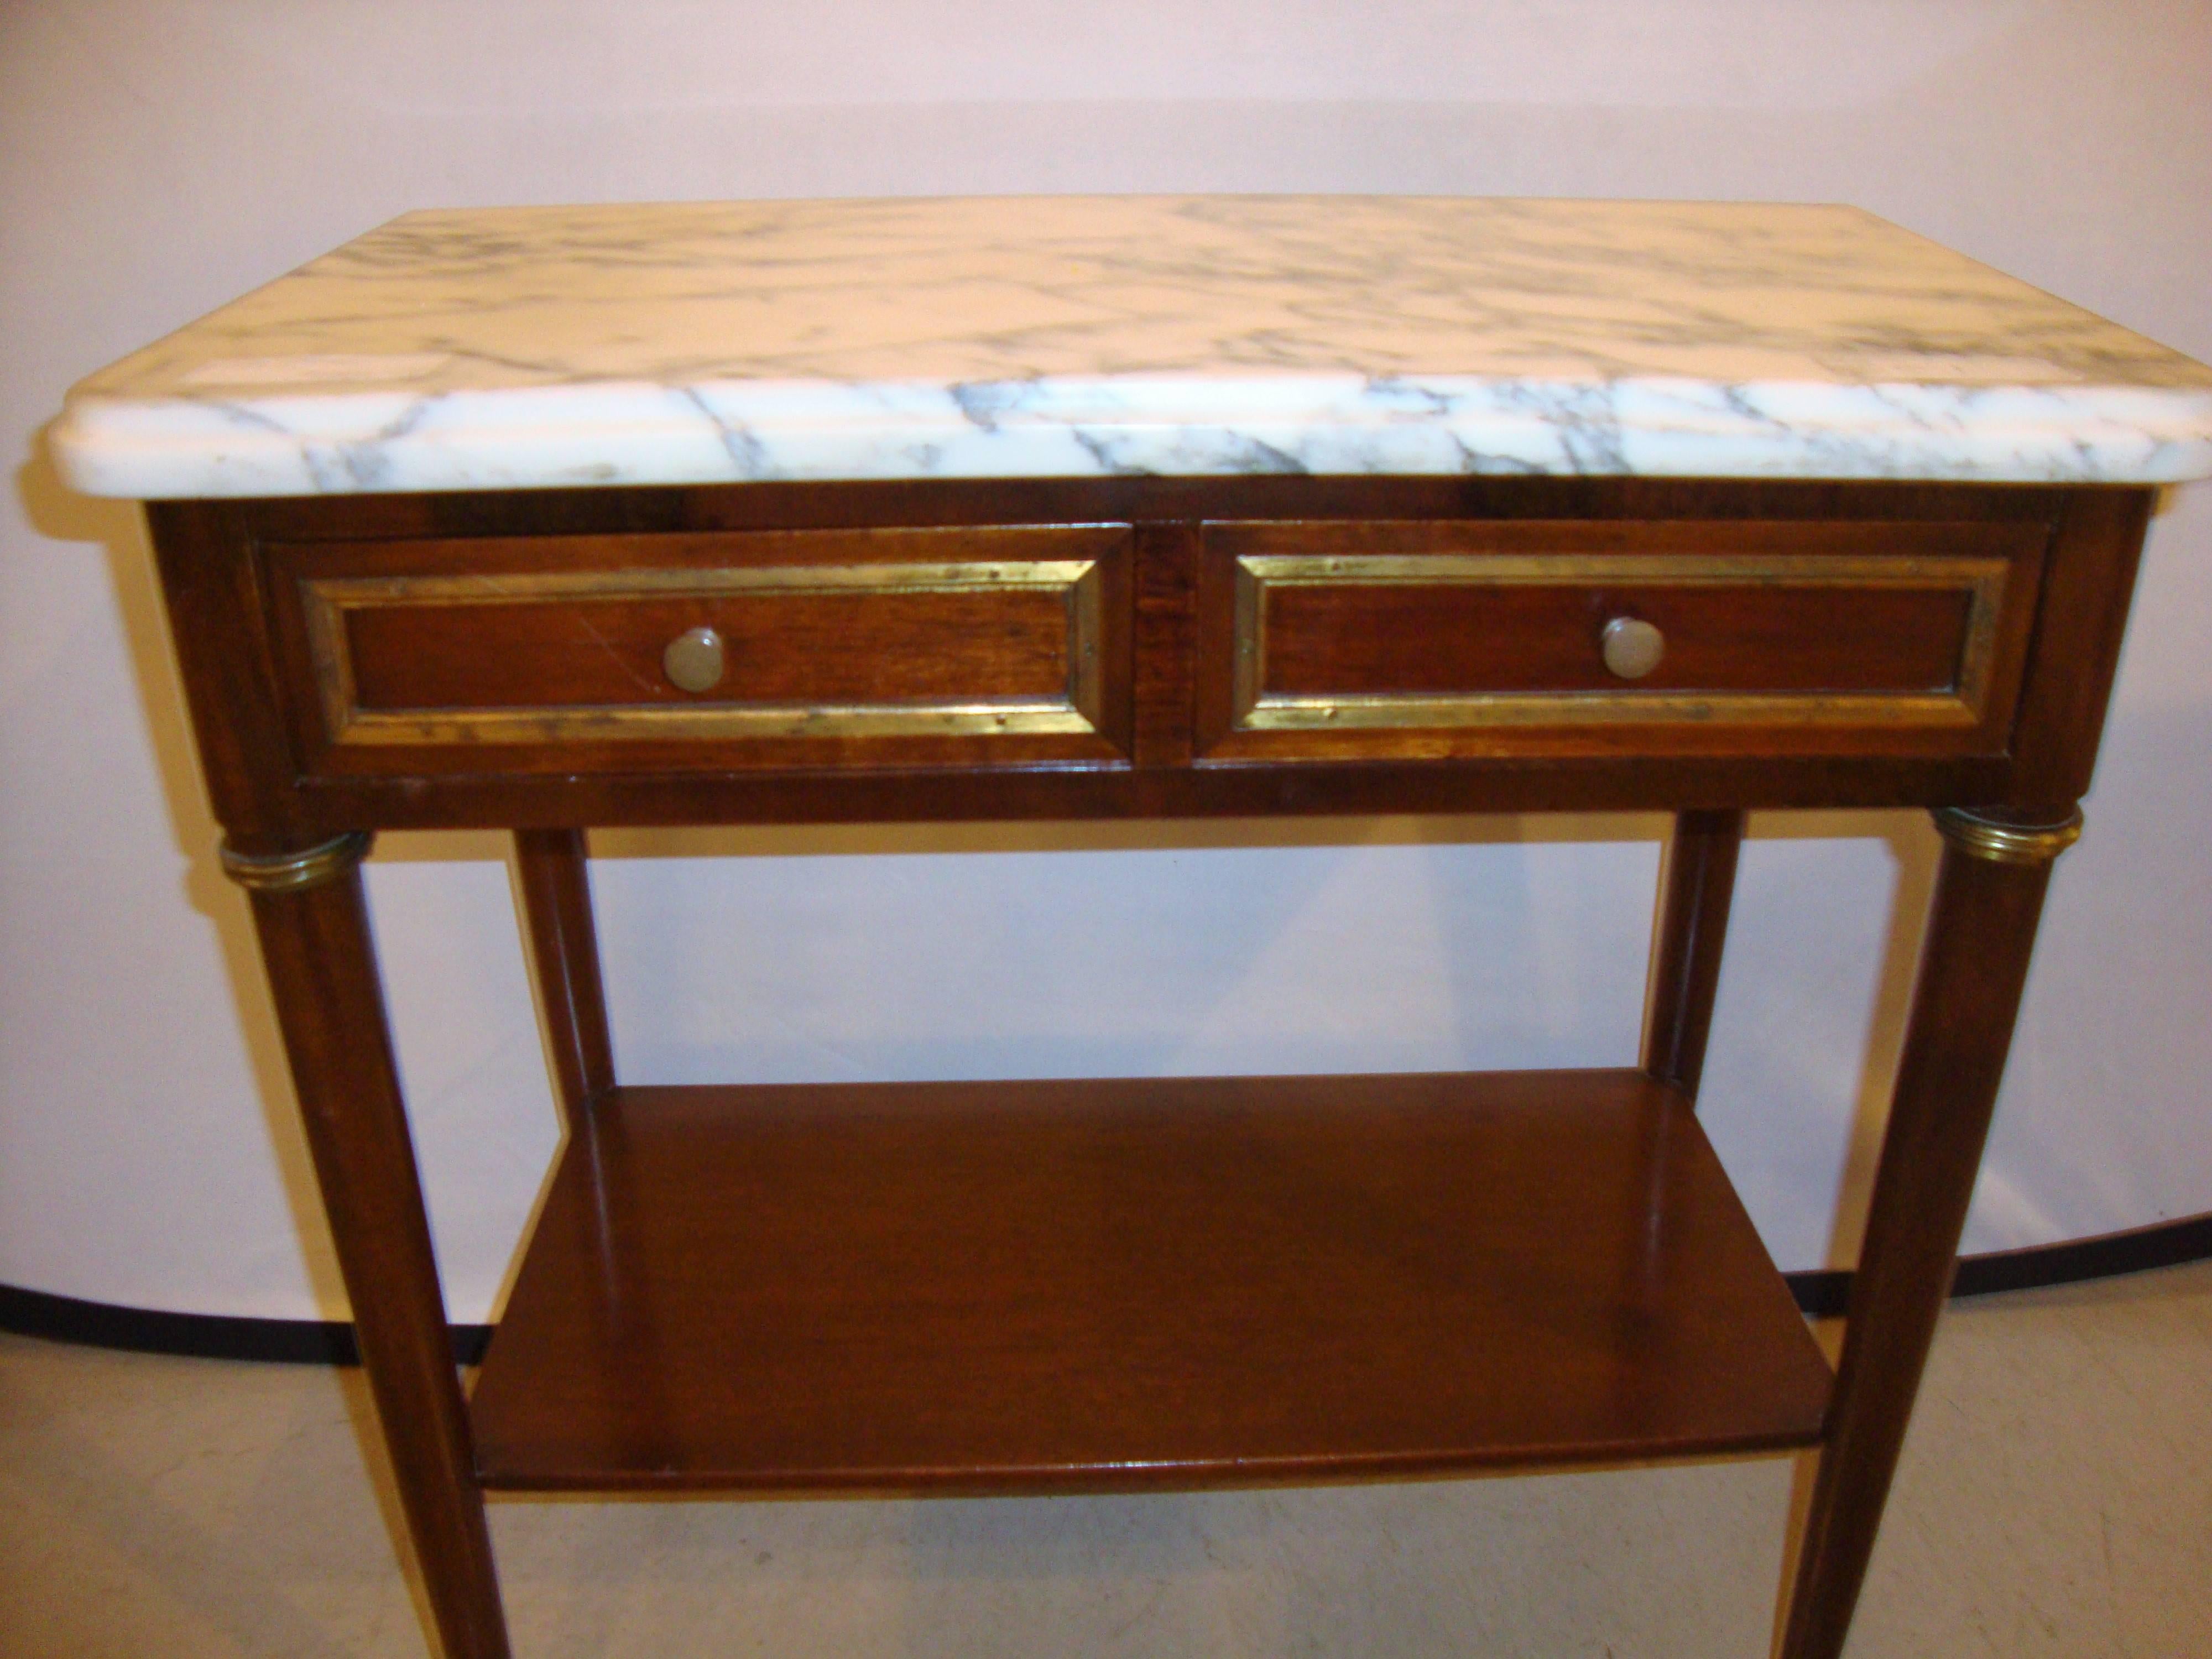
1413	640
721	650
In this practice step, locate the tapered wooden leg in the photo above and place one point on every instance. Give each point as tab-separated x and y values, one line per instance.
1700	882
308	910
564	952
1989	894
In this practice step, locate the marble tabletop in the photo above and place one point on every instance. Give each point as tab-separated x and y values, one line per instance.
508	348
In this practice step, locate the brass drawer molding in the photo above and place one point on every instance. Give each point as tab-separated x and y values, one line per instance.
698	661
1261	578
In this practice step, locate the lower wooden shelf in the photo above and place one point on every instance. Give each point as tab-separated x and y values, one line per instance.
1092	1286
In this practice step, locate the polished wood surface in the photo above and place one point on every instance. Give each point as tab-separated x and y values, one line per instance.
784	649
951	1287
1080	1286
254	691
883	646
2088	577
1165	669
322	973
1973	968
555	888
1444	637
1698	888
1458	639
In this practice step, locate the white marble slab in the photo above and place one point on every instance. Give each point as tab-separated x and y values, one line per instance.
1038	337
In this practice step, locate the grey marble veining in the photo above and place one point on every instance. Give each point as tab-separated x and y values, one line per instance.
1073	336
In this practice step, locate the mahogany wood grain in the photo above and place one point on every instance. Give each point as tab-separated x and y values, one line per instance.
1973	967
1699	886
1067	1286
1082	1285
322	974
211	585
862	504
1446	637
259	773
1480	639
831	635
2094	552
820	794
555	880
1165	675
805	648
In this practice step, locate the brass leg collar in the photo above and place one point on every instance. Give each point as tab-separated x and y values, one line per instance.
2003	840
288	873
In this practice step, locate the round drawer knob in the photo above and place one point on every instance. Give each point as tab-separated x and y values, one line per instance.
694	660
1633	646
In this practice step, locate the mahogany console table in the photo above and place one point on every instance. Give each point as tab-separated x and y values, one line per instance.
551	519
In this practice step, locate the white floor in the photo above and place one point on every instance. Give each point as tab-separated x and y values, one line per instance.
2056	1499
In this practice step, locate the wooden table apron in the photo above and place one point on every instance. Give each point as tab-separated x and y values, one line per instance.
1143	707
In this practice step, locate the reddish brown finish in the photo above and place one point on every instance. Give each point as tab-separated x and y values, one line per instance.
800	648
1082	1285
1646	519
262	779
816	794
564	957
1882	619
322	973
1167	568
1134	498
583	655
1592	1323
697	543
2091	574
1454	638
1685	958
1973	967
211	584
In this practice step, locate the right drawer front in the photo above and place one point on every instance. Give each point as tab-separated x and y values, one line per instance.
1406	641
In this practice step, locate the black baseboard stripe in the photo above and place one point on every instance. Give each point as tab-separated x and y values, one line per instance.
1822	1292
330	1342
1825	1293
204	1336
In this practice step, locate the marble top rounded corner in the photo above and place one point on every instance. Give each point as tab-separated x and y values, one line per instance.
697	342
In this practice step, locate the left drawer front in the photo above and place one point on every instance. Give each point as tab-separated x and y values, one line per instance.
919	647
